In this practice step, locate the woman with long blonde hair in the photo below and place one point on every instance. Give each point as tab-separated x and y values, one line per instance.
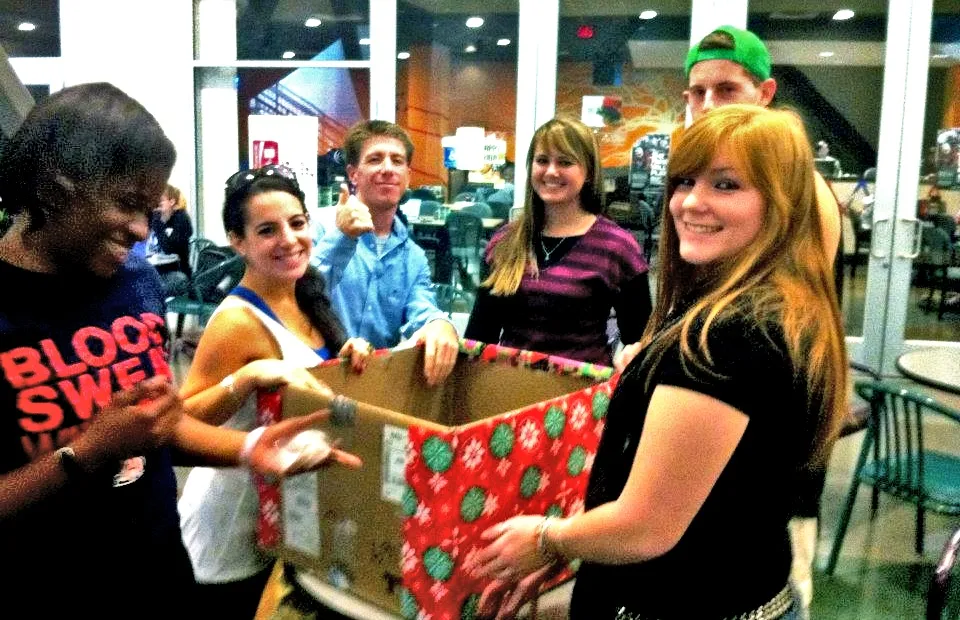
738	387
558	270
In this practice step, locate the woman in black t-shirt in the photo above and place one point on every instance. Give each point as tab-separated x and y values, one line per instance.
738	386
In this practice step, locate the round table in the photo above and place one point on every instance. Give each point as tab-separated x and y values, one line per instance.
939	368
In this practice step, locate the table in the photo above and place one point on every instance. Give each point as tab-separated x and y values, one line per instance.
939	368
489	223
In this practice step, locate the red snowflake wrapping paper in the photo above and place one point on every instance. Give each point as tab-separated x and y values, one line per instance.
536	460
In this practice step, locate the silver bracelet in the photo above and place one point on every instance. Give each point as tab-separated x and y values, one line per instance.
541	531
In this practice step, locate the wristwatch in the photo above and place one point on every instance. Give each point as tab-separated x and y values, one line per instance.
67	457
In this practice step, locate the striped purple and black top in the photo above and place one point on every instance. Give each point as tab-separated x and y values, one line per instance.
565	310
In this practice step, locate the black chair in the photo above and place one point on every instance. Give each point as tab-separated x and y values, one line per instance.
466	240
899	464
943	597
499	209
218	271
480	209
423	194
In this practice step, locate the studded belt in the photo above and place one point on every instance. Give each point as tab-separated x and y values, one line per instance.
772	609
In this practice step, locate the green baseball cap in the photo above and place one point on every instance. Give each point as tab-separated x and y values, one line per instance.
748	51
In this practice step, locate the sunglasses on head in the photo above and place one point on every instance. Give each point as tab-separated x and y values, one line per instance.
241	180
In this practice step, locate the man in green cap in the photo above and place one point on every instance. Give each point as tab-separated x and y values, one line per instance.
729	65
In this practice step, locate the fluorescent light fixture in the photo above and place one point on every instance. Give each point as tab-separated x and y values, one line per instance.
470	49
364	41
648	14
843	14
26	26
474	22
312	22
403	55
825	54
940	56
288	55
503	42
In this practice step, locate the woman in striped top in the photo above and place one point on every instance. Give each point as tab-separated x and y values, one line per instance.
556	272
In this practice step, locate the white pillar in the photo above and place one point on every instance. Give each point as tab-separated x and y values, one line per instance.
383	60
218	133
145	48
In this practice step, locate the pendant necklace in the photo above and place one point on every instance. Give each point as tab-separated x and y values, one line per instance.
546	252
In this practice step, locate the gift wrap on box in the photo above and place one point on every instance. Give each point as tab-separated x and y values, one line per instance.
509	432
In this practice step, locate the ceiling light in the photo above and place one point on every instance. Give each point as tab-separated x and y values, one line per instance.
470	49
825	54
474	22
403	55
843	14
940	56
26	26
364	41
312	22
503	42
648	14
288	55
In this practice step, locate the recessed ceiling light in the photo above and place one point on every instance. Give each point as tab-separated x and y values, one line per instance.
843	14
474	22
312	22
26	26
288	55
503	42
403	55
825	54
470	49
648	14
364	41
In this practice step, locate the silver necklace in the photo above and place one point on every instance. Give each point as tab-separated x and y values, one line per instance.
546	252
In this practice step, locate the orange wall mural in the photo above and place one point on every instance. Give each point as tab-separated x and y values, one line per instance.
436	94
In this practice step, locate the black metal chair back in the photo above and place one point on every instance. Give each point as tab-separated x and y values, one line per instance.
894	458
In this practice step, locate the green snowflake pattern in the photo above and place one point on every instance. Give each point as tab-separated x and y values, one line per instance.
578	458
437	454
438	563
530	481
554	511
469	609
408	604
471	506
554	421
600	403
501	440
409	502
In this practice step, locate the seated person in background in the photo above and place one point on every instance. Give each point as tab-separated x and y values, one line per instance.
558	270
277	322
170	226
379	278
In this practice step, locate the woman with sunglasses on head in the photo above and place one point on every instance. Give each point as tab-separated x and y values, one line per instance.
274	324
738	388
558	270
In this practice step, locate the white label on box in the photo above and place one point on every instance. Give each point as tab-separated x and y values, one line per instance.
394	465
301	514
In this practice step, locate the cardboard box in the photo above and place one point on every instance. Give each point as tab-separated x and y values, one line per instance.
509	432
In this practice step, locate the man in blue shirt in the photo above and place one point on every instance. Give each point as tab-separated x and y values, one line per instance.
379	279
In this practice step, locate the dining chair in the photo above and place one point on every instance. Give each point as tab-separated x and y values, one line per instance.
466	240
894	459
943	597
218	271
